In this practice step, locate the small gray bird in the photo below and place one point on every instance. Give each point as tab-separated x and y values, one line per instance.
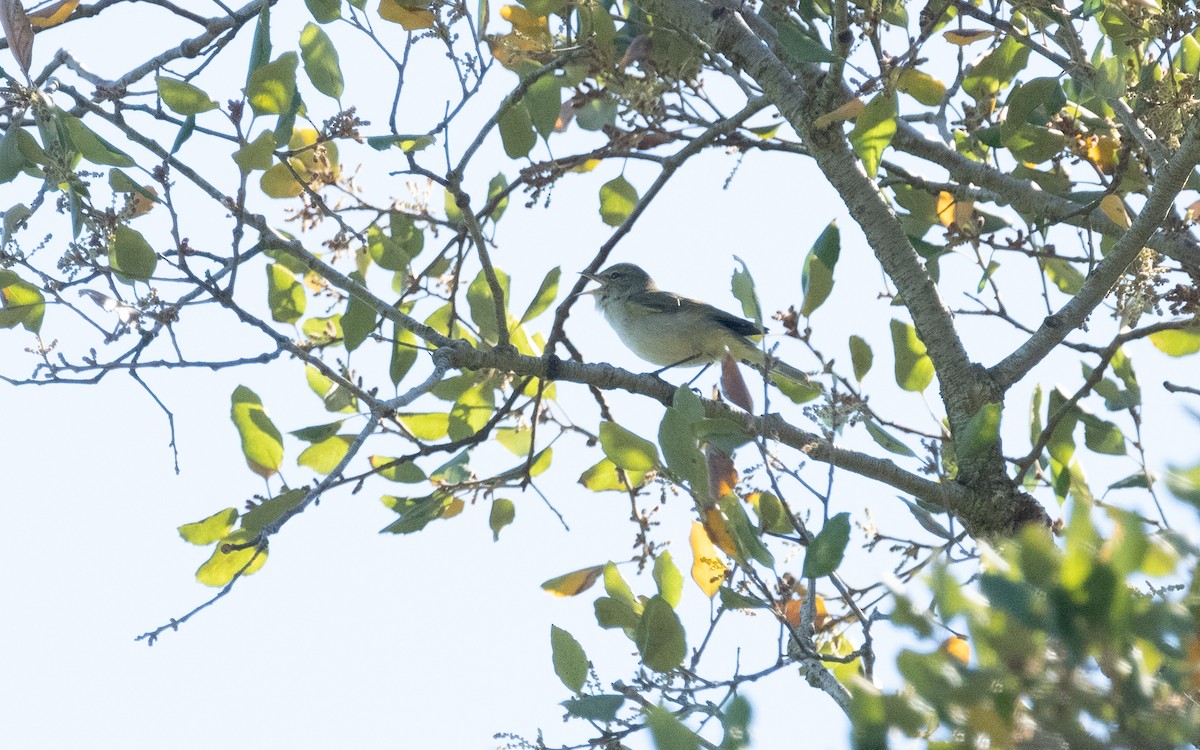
673	331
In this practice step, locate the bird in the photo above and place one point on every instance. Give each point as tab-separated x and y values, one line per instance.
671	330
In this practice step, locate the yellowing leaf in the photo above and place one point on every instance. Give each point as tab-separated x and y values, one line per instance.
1104	151
411	19
963	37
954	212
52	15
575	582
957	648
847	111
1114	208
921	86
524	21
708	569
1178	343
718	532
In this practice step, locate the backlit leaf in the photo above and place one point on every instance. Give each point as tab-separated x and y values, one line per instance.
130	255
575	582
627	450
321	61
617	200
825	552
262	444
502	514
226	562
873	131
285	294
816	279
861	357
914	369
211	529
183	97
272	86
659	636
570	661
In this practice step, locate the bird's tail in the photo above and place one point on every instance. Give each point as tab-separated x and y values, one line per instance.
768	364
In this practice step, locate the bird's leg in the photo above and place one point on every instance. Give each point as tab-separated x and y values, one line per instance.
683	361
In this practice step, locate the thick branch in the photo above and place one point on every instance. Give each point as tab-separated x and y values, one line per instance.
1056	327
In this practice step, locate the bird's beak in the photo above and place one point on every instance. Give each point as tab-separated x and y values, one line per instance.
592	277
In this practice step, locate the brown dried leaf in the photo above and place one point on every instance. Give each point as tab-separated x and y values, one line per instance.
18	31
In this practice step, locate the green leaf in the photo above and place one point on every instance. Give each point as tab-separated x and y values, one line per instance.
123	183
272	510
516	131
321	61
23	302
873	130
323	331
743	290
921	86
1102	436
285	295
404	353
601	708
483	304
731	599
1063	275
996	70
1178	343
429	426
211	529
472	411
745	536
397	470
825	552
502	514
407	143
627	450
816	280
570	661
735	718
226	562
597	113
417	513
91	146
543	99
260	49
668	732
12	160
335	397
497	186
273	86
262	445
359	319
669	579
317	433
183	97
394	251
604	476
185	131
800	46
659	636
324	11
886	441
861	357
257	155
914	369
14	218
323	457
130	255
546	294
1184	483
617	200
980	434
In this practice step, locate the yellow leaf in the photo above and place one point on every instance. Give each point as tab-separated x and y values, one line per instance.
1193	211
954	212
791	613
963	37
957	648
410	18
708	569
575	582
1114	208
524	21
847	111
586	166
1104	151
52	15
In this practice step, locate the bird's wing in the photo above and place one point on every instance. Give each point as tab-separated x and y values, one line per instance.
661	302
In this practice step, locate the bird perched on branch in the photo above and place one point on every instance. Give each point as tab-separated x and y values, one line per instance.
674	331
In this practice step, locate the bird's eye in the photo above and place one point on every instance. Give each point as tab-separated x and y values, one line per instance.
615	275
